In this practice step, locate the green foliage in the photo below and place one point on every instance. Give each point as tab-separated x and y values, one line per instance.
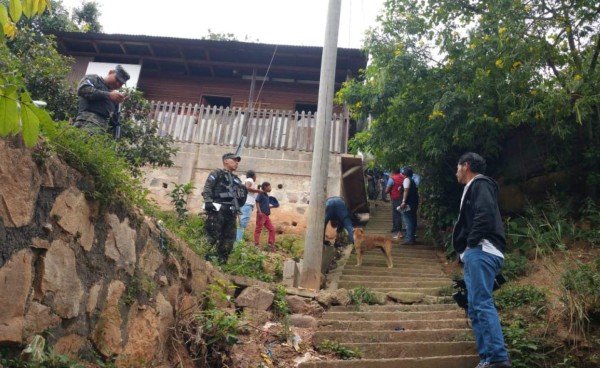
141	142
178	195
543	229
87	17
362	295
291	244
590	223
524	348
515	266
516	296
219	325
341	351
44	72
580	288
445	78
280	304
247	260
190	230
95	156
18	114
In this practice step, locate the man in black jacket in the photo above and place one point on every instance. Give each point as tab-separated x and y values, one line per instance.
479	240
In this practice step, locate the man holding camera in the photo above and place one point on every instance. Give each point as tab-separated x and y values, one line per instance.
99	100
478	238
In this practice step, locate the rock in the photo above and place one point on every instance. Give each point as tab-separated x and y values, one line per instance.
92	302
106	335
39	318
406	298
151	258
296	304
73	214
60	278
197	275
257	317
335	297
303	321
20	185
166	317
48	228
70	345
380	298
163	281
40	243
15	282
142	339
120	243
255	298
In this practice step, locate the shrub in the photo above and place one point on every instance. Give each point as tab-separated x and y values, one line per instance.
581	294
341	351
362	295
515	296
524	348
95	156
515	266
178	195
247	260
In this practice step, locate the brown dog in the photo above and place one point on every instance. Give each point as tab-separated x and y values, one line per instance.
364	242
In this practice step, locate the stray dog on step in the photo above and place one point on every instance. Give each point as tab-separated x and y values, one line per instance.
364	242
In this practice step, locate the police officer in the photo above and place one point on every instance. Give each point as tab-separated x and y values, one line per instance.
223	193
99	100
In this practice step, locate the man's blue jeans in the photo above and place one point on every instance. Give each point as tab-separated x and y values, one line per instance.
480	270
396	216
410	223
244	219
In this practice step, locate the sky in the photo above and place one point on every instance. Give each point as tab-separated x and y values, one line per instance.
283	22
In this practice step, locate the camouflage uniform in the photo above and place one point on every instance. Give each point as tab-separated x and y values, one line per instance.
221	225
95	108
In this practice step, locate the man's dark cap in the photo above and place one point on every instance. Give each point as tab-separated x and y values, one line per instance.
122	74
232	156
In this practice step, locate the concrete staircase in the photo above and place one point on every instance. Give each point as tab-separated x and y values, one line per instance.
427	334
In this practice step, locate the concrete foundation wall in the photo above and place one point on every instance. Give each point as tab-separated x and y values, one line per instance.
289	173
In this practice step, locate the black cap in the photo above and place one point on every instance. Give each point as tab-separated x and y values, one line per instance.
232	156
122	74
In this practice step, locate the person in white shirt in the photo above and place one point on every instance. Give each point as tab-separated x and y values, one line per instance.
248	207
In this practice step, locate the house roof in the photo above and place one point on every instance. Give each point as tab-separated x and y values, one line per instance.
209	58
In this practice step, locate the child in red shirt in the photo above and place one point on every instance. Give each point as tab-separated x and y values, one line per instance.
263	210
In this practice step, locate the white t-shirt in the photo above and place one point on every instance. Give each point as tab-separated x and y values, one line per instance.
251	198
406	183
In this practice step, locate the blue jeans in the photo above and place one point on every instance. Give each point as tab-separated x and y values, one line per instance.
335	209
244	219
410	223
396	216
481	269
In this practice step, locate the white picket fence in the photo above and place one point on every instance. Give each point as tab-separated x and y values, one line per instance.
270	129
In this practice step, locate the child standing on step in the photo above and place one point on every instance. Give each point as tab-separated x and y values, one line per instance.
263	210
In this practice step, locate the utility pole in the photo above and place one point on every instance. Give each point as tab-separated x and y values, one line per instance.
313	241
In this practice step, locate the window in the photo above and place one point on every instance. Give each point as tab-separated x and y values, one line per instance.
306	107
218	101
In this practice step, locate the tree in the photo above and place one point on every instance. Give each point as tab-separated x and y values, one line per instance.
18	113
141	142
87	17
448	76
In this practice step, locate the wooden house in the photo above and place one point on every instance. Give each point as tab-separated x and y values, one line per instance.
213	92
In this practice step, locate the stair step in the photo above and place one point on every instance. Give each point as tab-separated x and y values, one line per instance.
398	308
396	284
407	325
351	270
378	336
458	361
393	316
423	290
401	276
388	350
